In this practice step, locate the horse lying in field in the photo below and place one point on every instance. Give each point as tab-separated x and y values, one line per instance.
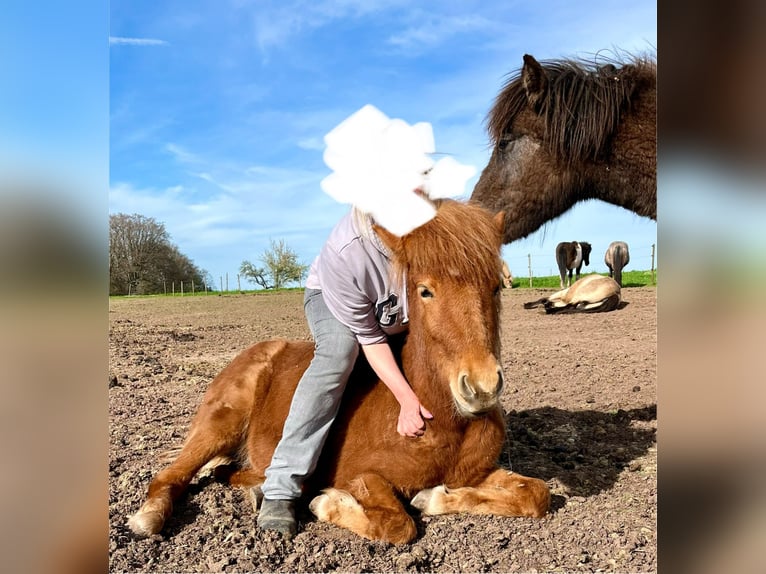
450	356
571	256
616	258
565	131
591	294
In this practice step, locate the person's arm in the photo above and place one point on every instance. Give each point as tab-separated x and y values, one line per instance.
411	412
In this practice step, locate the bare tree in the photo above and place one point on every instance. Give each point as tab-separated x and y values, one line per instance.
254	274
142	259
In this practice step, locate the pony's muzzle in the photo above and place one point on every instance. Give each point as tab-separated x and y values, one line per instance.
479	393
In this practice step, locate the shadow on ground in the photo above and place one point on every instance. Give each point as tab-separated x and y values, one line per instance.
584	450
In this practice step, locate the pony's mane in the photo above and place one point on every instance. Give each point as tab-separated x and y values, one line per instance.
461	240
581	106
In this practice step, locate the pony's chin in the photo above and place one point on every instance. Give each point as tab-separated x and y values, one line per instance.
471	410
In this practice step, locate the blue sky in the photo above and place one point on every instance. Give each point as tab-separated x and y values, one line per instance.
218	109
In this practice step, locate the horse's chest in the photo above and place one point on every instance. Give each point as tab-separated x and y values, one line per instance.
577	257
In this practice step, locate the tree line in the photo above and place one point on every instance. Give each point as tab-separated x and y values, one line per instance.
143	261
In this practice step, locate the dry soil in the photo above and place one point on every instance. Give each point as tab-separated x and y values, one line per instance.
580	399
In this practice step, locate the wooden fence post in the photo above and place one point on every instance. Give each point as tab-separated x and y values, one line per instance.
529	260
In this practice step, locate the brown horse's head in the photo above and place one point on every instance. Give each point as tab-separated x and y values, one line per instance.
586	249
564	131
452	268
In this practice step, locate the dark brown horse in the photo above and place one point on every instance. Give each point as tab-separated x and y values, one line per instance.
565	131
591	294
616	258
450	357
570	256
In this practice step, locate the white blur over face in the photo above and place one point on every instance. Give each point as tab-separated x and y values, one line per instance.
377	164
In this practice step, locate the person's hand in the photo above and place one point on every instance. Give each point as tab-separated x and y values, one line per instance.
411	423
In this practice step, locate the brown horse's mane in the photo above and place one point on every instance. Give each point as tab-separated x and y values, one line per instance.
461	240
581	106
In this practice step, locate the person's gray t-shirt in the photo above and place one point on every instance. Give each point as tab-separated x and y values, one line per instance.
353	271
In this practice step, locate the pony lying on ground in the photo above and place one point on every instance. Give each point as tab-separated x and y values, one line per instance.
565	131
591	294
450	357
570	256
616	258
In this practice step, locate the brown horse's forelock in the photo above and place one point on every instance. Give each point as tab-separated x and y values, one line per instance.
462	241
581	106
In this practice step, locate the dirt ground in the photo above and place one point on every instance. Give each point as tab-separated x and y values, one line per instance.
581	406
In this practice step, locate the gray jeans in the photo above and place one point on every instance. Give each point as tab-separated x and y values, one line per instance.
315	403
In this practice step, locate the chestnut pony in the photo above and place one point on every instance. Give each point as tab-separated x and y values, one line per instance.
564	131
451	266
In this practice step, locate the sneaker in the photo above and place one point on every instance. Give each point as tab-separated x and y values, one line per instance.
278	515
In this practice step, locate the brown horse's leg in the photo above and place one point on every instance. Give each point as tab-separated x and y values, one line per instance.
369	508
216	432
502	493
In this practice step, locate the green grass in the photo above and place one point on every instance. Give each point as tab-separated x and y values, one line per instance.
203	293
629	279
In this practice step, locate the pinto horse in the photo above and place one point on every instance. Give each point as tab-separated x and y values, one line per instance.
591	294
564	131
616	258
451	266
570	256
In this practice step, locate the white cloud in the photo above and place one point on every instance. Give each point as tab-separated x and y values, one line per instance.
311	144
181	154
432	30
276	23
120	40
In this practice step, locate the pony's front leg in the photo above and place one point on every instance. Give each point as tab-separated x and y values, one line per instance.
502	493
369	507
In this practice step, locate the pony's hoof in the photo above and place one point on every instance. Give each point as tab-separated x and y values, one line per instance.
146	523
334	503
424	500
318	505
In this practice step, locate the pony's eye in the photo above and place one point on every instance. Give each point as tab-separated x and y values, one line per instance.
506	140
424	292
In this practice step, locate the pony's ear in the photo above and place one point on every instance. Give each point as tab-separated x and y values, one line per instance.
534	79
393	242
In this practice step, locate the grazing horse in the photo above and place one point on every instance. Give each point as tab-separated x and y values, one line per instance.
565	131
616	258
591	294
450	356
570	256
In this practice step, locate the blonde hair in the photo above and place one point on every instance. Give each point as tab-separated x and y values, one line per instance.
363	222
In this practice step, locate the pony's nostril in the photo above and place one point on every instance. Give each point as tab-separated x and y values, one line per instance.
500	381
465	387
